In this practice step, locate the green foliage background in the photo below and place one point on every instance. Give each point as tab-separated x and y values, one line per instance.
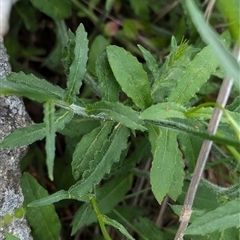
122	93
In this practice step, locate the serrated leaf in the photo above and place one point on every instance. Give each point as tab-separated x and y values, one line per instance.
34	83
34	132
150	61
107	82
31	134
56	9
101	164
107	197
87	148
117	112
11	88
118	226
130	75
221	218
78	66
163	111
166	156
197	73
42	217
49	110
228	62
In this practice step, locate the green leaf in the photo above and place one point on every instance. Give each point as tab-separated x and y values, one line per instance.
150	61
34	132
183	125
232	16
98	45
88	146
49	110
11	88
35	83
166	157
78	66
101	164
221	218
107	82
107	197
9	236
43	220
130	75
163	111
228	62
197	73
31	134
56	9
118	226
117	112
141	10
56	197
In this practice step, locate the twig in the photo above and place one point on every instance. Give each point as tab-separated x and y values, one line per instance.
204	152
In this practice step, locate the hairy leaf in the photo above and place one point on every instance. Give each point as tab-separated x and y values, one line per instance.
56	9
117	112
34	83
49	110
130	75
34	132
150	61
107	82
88	146
101	164
221	218
196	74
166	156
78	66
39	218
163	111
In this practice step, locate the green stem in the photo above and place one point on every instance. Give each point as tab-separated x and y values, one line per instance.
100	219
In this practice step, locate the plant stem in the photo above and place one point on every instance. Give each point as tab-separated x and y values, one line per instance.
204	152
100	220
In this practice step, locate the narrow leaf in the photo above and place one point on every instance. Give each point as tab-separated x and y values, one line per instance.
163	111
228	62
150	61
117	112
78	66
56	197
87	148
166	156
34	132
118	226
11	88
56	9
101	164
34	83
107	82
49	110
39	218
130	75
223	217
196	74
183	126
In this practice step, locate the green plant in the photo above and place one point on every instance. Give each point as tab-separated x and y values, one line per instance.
140	107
